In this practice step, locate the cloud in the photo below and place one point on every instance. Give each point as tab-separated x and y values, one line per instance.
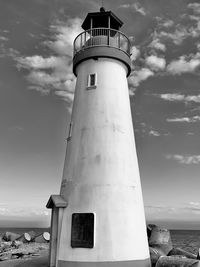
53	73
155	63
64	35
182	65
156	44
135	53
125	6
179	97
168	212
3	38
154	133
24	212
172	97
132	91
159	208
196	204
192	17
195	7
140	75
181	31
177	36
39	62
185	119
16	128
168	23
189	159
8	52
190	133
137	6
163	22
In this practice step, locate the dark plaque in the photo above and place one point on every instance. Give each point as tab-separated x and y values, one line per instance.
82	234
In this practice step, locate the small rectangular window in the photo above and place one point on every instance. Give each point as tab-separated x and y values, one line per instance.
82	232
92	80
70	131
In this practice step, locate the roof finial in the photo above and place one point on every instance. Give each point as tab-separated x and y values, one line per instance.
102	9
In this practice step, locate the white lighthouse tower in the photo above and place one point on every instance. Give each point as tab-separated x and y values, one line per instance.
98	218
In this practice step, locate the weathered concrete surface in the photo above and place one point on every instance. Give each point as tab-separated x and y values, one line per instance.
177	261
161	239
180	251
41	261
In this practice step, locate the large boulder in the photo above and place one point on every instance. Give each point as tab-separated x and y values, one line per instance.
161	239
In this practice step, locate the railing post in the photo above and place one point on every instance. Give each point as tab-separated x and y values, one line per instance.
118	39
108	30
81	41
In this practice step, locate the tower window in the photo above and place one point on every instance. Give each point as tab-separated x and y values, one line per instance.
82	233
92	80
70	131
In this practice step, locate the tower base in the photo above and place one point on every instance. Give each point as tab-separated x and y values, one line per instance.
134	263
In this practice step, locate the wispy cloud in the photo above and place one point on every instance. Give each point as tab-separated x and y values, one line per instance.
16	128
177	37
3	38
179	97
137	6
164	22
185	119
154	133
169	212
24	212
196	204
185	159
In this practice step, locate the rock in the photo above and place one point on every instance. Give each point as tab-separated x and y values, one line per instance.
14	257
149	229
17	244
25	256
176	261
24	238
198	255
35	254
182	252
155	255
9	236
5	246
42	238
32	234
5	257
161	239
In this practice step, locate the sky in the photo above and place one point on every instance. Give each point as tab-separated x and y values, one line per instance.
36	96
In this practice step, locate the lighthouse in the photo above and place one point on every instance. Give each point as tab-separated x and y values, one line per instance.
98	217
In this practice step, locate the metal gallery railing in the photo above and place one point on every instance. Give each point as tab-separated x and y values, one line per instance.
102	37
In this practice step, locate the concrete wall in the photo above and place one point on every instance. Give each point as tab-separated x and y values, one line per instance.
101	170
